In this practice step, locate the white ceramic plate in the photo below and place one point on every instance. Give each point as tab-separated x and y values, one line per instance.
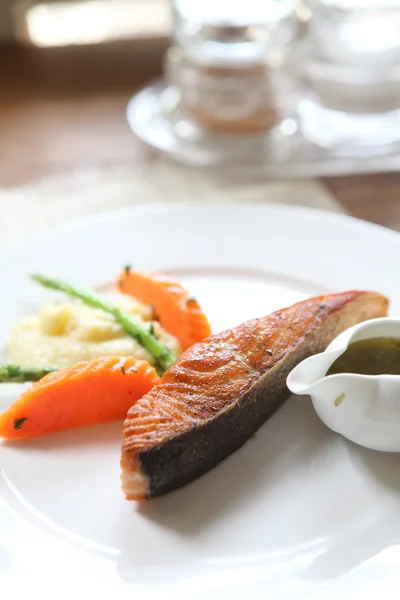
298	512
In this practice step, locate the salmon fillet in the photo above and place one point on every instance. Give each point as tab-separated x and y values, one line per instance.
221	390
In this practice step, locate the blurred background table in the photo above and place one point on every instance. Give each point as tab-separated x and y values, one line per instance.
63	110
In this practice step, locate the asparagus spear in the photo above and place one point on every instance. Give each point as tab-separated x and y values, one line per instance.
17	374
161	354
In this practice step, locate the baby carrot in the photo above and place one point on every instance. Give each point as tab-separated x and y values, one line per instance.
87	393
180	314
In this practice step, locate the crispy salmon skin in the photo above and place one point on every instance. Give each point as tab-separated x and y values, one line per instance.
221	390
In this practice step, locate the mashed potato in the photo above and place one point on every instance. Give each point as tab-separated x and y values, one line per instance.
64	334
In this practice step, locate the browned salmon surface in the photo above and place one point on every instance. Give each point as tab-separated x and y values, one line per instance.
221	390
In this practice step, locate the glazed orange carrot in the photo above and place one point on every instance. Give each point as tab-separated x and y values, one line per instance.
176	311
91	392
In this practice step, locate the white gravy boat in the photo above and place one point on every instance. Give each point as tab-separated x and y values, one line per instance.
363	408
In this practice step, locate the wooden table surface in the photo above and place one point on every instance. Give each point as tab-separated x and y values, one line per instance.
63	110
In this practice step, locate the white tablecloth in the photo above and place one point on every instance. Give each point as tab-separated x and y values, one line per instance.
25	211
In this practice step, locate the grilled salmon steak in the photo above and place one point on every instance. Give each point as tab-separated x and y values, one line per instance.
221	390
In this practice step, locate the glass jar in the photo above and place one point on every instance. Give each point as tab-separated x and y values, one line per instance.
228	97
228	62
351	76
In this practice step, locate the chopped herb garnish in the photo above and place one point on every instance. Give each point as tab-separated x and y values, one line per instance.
191	300
127	269
132	370
19	422
151	329
123	370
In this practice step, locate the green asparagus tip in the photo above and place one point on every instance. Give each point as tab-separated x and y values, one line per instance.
16	374
163	357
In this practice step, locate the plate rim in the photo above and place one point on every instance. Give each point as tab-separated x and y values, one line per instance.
116	214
